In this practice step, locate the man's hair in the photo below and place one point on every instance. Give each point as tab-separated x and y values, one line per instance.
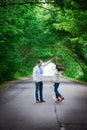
38	61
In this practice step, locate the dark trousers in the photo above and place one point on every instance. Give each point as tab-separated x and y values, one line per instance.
39	90
57	93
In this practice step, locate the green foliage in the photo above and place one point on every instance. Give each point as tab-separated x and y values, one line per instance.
29	32
71	18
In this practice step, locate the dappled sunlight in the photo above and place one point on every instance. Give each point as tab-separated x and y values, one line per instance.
49	69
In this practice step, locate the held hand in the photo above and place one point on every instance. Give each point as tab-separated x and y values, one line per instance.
54	58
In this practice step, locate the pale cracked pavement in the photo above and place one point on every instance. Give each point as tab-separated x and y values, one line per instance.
18	110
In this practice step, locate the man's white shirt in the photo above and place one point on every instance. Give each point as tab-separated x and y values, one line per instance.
37	76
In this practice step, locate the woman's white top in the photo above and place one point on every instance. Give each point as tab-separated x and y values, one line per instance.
57	75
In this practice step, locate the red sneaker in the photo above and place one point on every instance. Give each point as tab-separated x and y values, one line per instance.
62	98
58	100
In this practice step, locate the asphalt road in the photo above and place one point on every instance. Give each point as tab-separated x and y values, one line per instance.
18	110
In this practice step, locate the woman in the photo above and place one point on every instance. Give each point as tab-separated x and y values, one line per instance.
57	73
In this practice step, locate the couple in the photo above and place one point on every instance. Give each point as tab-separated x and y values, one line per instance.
38	80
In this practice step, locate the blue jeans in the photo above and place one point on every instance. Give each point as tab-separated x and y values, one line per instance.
39	90
57	93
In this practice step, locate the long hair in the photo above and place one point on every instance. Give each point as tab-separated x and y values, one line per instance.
59	67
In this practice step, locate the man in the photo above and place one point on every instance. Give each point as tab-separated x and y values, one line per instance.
38	80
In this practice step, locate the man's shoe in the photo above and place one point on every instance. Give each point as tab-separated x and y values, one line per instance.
37	101
42	101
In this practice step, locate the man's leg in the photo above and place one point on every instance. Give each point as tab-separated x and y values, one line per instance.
41	90
36	91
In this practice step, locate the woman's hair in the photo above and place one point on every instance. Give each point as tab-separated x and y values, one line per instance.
59	67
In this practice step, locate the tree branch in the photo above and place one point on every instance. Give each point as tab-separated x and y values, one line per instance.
23	3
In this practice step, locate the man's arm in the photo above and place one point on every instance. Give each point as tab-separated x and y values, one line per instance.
48	62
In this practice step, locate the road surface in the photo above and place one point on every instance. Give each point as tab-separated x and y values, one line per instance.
18	110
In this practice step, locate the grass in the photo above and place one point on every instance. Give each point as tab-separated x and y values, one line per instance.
7	84
80	79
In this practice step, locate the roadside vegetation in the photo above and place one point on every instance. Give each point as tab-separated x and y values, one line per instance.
40	31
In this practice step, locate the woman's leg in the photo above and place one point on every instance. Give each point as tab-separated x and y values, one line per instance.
57	93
